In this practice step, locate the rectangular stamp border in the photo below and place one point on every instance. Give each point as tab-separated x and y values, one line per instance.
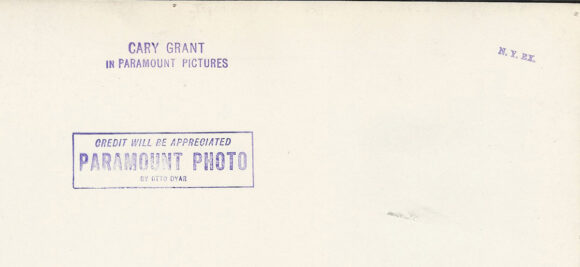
158	187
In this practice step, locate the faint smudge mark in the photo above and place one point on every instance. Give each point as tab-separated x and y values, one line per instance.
423	214
407	216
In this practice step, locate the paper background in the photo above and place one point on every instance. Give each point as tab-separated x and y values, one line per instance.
386	134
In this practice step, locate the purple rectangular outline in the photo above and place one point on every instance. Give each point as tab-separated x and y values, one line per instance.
159	187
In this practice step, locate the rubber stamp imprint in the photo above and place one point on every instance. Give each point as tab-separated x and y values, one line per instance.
163	160
516	55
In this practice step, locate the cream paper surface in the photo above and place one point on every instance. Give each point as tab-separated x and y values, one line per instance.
384	134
